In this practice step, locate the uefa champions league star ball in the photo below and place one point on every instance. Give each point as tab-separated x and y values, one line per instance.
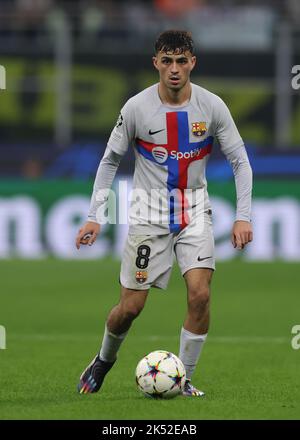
160	374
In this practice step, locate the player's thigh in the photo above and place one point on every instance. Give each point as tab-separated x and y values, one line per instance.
198	282
194	247
147	261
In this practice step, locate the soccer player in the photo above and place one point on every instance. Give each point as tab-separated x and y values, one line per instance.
171	127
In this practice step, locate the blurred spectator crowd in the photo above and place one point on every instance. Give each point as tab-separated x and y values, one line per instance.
93	20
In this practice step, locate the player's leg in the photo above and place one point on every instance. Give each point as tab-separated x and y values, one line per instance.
198	282
196	323
147	262
119	321
195	255
117	325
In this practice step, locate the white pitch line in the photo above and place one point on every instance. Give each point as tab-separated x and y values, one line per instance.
88	337
236	339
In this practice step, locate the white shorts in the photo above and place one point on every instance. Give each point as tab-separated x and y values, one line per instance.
148	259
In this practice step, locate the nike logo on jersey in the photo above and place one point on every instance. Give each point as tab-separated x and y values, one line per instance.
154	132
205	258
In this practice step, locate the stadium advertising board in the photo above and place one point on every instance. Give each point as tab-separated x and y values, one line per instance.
40	219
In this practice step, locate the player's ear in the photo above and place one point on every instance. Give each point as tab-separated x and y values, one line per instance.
154	61
194	60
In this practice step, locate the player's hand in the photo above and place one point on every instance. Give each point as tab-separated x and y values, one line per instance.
87	234
241	234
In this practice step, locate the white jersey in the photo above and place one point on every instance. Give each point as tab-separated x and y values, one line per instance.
171	146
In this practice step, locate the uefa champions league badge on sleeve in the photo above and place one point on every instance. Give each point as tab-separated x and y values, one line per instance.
119	121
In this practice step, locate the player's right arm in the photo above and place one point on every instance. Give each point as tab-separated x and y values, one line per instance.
87	234
120	138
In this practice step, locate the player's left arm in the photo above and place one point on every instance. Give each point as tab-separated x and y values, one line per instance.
242	229
241	234
233	147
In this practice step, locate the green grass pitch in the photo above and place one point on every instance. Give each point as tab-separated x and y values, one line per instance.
54	314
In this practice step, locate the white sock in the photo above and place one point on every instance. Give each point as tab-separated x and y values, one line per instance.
190	349
110	345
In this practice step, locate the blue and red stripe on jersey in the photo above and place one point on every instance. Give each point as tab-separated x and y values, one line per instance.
177	140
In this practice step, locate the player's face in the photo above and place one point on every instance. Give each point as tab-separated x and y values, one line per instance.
174	68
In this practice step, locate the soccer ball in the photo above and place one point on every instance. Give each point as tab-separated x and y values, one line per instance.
160	374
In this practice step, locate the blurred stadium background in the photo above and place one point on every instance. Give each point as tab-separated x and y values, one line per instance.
70	66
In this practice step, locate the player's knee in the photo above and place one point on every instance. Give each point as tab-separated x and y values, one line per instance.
198	298
132	310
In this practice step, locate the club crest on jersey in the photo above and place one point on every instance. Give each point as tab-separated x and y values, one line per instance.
199	128
160	154
141	276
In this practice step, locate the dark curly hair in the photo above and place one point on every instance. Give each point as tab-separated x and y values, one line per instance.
174	40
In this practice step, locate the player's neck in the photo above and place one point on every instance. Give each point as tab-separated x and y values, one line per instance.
175	97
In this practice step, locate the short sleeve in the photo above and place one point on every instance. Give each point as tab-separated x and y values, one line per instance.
123	133
226	131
